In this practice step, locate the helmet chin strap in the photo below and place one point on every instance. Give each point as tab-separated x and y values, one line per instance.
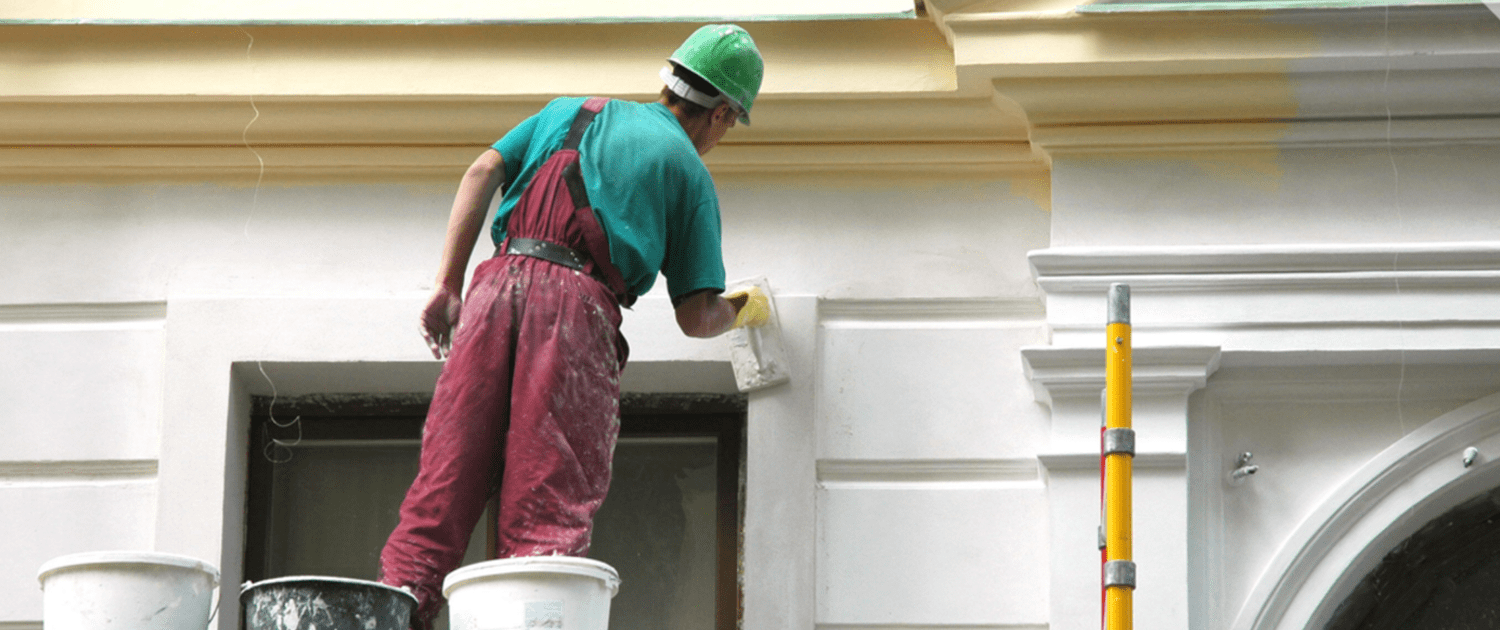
681	88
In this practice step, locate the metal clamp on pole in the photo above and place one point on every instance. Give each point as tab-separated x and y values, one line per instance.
1119	573
1119	440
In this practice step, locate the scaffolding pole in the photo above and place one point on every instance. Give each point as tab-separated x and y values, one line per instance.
1117	447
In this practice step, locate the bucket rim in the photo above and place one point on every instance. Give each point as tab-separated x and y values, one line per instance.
291	579
104	558
570	565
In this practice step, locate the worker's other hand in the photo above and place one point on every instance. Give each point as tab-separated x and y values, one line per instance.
439	320
751	307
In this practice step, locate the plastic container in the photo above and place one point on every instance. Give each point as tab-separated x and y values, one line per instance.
308	602
541	592
129	590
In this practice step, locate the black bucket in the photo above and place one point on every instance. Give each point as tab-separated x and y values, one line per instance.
324	603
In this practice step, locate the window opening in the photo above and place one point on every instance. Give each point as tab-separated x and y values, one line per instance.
324	491
1443	576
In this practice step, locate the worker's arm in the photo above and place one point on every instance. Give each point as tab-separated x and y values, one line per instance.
708	314
470	206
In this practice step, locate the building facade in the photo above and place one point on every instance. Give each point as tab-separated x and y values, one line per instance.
203	207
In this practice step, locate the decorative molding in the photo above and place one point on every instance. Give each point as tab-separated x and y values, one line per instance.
1424	36
75	315
936	312
938	157
914	626
1329	267
1072	462
1079	372
1228	78
456	14
92	61
1471	357
1417	297
1206	135
1253	282
332	101
1265	259
52	473
886	473
474	120
1129	6
335	161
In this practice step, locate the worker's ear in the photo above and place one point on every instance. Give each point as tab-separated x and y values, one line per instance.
723	112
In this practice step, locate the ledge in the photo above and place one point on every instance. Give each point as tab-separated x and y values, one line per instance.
56	62
1057	372
463	11
1224	76
337	162
1254	259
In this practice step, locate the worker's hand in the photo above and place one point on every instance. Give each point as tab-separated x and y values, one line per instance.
751	307
439	319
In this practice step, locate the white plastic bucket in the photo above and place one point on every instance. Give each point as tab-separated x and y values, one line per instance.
128	590
534	592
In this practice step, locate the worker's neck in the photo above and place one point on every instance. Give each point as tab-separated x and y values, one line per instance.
699	128
683	119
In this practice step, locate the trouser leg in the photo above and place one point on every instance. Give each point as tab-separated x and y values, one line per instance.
565	418
462	446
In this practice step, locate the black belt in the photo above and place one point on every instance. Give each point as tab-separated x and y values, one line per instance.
545	250
552	252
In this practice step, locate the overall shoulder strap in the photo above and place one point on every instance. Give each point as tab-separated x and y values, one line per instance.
591	108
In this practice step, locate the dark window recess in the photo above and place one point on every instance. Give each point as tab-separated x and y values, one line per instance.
1444	576
327	474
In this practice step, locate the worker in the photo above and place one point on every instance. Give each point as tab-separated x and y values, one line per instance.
599	197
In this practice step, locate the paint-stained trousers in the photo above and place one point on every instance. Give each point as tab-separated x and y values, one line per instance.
527	406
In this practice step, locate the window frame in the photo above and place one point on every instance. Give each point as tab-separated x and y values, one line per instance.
399	419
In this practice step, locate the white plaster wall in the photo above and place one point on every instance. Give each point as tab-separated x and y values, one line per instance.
66	512
1287	195
128	243
927	390
171	298
1328	363
80	392
1310	430
929	554
886	238
929	491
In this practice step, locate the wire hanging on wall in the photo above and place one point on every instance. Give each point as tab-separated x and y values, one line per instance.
1390	154
272	445
245	139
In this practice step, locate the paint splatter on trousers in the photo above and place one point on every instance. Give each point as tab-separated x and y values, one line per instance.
528	406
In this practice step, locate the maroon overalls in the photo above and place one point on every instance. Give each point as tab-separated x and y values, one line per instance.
528	404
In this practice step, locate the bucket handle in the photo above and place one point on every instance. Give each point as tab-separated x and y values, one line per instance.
218	596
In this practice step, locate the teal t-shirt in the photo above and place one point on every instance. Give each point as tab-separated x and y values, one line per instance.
649	189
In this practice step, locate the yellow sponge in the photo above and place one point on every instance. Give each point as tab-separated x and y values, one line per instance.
754	307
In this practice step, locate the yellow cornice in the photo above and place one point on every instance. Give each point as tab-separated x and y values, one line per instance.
330	101
983	86
572	11
420	137
459	119
413	163
1207	79
803	58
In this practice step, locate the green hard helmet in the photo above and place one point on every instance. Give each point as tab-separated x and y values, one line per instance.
725	57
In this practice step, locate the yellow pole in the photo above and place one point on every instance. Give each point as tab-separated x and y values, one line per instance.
1119	453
